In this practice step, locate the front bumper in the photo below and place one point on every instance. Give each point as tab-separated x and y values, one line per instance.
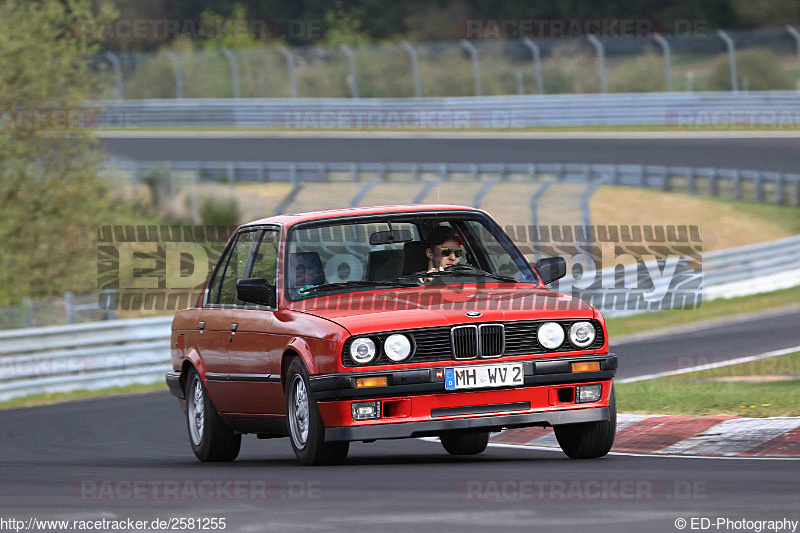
435	427
416	404
342	386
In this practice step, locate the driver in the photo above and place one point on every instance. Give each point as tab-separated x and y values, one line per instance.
445	248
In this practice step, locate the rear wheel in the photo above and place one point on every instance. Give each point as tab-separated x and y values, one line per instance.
465	443
210	437
589	440
306	430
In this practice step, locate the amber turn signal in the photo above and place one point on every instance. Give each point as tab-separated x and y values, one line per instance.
588	366
372	381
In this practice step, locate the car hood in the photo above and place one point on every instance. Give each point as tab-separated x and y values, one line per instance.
375	311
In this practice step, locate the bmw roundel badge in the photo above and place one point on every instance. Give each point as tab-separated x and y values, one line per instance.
473	313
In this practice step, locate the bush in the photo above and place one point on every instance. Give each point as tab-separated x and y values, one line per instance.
762	67
640	74
218	212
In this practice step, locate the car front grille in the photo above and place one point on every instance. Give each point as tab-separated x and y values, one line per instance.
472	341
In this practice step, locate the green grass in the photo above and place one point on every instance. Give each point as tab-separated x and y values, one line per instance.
785	216
709	310
723	390
46	399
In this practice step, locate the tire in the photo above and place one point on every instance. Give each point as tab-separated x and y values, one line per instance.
589	440
306	430
465	443
211	439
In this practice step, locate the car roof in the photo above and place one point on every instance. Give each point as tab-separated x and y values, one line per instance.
295	218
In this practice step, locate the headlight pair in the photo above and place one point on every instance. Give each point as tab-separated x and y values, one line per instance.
397	348
551	335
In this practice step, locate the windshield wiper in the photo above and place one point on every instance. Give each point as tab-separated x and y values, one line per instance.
462	270
356	283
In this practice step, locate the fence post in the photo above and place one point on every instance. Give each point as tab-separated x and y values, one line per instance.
731	57
27	306
534	218
117	66
237	93
292	70
794	33
414	68
176	72
351	61
667	59
537	64
601	60
476	72
69	307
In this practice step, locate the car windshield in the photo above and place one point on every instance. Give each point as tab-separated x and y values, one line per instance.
400	251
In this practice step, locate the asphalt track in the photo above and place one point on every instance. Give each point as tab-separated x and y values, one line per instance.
111	458
778	153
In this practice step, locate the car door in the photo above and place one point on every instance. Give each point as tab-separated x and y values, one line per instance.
254	351
216	318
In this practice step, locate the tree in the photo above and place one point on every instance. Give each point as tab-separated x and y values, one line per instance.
50	189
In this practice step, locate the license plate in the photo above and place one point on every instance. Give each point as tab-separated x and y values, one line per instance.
481	376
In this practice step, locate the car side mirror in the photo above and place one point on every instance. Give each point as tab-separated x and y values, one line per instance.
551	269
256	291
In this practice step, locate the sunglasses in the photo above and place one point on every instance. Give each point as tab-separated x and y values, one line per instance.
447	251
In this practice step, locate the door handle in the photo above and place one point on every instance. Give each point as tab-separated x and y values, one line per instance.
234	327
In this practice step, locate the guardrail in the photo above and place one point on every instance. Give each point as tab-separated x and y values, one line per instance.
752	185
122	352
709	111
83	356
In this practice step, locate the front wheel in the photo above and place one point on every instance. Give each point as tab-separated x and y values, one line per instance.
465	443
306	430
211	439
591	439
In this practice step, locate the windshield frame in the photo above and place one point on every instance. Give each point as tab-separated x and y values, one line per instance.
407	216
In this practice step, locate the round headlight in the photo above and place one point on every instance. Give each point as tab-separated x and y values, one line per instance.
582	334
550	335
397	347
363	351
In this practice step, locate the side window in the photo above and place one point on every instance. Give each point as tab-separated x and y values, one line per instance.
265	264
234	270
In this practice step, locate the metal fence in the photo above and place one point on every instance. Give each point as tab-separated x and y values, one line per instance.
83	356
752	185
683	112
735	60
71	309
122	352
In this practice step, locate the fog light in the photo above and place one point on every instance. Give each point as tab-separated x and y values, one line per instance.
586	366
588	393
366	410
372	381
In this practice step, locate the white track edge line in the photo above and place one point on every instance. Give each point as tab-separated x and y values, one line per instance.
774	353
